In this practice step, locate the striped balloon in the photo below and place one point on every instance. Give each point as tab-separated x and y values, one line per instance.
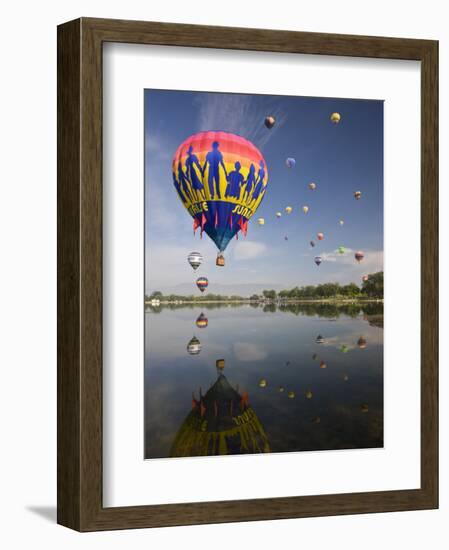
202	283
195	259
221	179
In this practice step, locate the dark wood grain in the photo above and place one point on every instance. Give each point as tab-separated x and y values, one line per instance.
80	274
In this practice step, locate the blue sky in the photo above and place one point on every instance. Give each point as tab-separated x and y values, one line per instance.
340	159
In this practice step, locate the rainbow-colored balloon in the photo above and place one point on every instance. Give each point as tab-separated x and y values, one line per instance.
221	179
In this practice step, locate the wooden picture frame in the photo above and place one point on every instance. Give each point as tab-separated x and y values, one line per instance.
80	504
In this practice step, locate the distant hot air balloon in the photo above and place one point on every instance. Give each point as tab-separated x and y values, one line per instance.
312	186
364	408
288	209
305	209
278	214
341	249
221	179
344	348
320	236
345	377
291	394
194	346
262	383
195	259
359	255
308	394
323	365
319	339
365	278
318	260
341	222
281	389
358	195
316	420
285	238
290	162
202	283
202	321
361	342
261	221
269	121
335	118
312	243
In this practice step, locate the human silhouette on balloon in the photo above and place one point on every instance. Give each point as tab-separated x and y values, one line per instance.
236	180
184	183
192	162
214	159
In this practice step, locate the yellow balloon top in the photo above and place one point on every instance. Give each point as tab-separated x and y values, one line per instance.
335	118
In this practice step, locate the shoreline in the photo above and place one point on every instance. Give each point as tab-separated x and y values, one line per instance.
336	301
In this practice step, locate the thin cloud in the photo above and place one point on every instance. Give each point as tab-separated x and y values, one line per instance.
248	250
237	114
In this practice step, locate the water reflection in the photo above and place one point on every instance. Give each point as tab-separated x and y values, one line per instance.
221	422
315	378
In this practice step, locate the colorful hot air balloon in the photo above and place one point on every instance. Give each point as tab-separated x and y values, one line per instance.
195	259
305	209
202	321
202	283
269	121
290	162
288	209
261	221
312	186
278	214
312	243
335	118
359	255
357	195
320	236
221	179
318	260
194	346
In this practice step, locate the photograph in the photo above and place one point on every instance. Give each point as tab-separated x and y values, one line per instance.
263	297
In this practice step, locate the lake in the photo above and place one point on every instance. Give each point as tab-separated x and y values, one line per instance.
249	378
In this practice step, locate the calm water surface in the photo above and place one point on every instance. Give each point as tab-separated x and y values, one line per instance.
266	379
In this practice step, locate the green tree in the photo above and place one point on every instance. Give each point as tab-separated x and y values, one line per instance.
374	285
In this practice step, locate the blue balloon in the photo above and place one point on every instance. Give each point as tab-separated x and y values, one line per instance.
290	162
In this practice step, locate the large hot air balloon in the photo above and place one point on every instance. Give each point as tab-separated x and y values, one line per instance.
221	179
194	346
202	283
290	162
202	321
357	195
335	118
305	209
195	259
359	255
269	121
318	260
320	236
312	186
288	209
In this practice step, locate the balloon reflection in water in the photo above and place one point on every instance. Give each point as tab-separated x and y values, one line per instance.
221	422
194	346
202	321
361	342
323	365
319	339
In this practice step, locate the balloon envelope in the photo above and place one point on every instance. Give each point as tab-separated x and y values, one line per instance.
269	121
202	321
359	255
318	260
202	283
278	214
312	185
305	209
194	346
290	162
312	243
195	259
358	195
320	236
335	118
221	179
261	221
288	209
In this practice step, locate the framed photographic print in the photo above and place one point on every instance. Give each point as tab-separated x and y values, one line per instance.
247	274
